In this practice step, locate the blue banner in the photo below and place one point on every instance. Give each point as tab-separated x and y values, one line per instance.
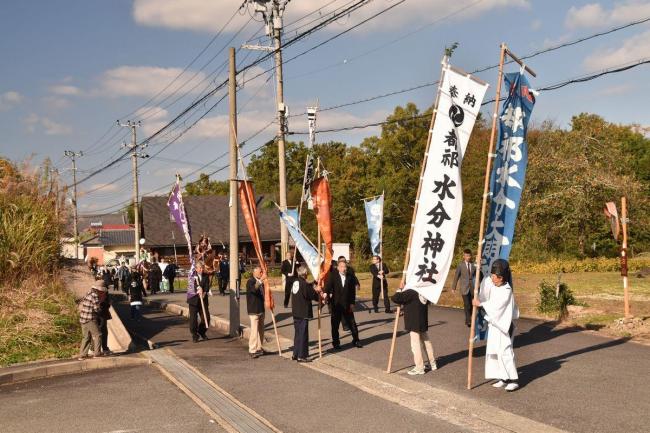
375	219
307	250
292	213
509	171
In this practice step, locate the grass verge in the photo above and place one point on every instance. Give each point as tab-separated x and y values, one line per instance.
37	322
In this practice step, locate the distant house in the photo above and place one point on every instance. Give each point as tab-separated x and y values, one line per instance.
89	226
110	244
207	215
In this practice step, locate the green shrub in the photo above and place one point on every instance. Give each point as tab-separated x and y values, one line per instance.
551	304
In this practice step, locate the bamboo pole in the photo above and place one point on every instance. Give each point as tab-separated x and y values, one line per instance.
626	293
320	339
486	186
381	251
415	211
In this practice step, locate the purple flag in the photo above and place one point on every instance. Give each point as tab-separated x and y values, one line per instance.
177	210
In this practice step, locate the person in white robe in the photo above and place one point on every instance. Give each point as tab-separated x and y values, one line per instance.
498	301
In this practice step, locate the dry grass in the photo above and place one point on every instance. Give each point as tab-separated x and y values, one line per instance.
37	321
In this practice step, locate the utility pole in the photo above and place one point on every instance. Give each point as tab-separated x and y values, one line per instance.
135	154
73	156
272	11
234	210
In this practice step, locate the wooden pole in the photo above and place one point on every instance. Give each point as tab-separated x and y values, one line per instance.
260	253
486	186
626	293
320	339
381	251
415	211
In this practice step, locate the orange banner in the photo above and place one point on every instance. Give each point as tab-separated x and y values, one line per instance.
322	196
249	210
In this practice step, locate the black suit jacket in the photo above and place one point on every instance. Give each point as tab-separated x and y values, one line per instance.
374	270
340	294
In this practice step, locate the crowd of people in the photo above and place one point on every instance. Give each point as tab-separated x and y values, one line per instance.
337	292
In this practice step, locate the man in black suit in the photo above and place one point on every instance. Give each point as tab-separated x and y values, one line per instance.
465	273
224	273
379	270
288	274
341	290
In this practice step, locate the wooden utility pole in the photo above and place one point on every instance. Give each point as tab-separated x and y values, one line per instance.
626	293
234	211
134	166
73	156
272	11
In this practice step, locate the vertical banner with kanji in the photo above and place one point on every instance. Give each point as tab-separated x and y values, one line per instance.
509	171
375	219
320	191
249	211
177	211
441	198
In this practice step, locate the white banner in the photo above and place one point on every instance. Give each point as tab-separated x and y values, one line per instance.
441	198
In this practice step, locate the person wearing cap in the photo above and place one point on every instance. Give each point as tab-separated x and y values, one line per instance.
89	309
498	301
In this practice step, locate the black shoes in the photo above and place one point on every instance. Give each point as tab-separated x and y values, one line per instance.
293	357
376	310
388	311
336	347
357	344
204	337
302	360
254	355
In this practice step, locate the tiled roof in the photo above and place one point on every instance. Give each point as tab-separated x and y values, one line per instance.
116	237
207	214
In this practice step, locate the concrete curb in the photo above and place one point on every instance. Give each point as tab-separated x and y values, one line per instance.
30	371
118	334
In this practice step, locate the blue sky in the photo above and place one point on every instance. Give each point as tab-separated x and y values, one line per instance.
71	68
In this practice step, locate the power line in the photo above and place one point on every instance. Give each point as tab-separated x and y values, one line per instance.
551	87
483	69
199	101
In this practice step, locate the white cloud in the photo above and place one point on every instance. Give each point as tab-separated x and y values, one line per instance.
105	187
56	103
218	126
35	123
64	90
154	118
593	14
634	48
619	89
9	100
146	81
209	16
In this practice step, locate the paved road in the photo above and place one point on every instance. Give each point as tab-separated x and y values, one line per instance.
137	399
292	398
572	380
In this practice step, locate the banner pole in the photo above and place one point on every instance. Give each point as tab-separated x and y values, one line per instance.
381	248
486	186
626	293
320	339
258	247
415	211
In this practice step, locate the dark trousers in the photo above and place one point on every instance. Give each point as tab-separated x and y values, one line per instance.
341	313
300	338
223	283
196	316
376	289
103	328
136	314
287	292
467	306
171	285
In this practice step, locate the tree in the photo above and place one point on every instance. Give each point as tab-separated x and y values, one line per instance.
205	186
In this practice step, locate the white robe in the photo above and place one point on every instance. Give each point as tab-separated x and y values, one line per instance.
501	309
